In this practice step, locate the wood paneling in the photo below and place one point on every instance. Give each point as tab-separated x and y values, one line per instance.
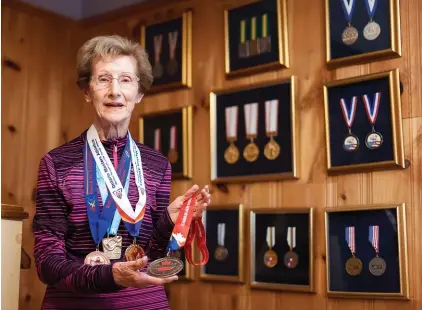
49	87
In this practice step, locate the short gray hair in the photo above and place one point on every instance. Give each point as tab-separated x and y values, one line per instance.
114	45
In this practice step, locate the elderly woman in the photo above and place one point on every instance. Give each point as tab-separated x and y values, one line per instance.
102	207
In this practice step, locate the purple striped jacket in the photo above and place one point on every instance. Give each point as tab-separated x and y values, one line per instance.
63	237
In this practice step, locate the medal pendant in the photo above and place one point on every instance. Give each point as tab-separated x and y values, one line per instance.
134	252
291	259
270	259
253	47
157	71
221	253
354	266
97	258
172	67
165	267
272	149
351	143
242	50
251	152
371	31
349	35
173	156
377	266
231	155
373	140
112	247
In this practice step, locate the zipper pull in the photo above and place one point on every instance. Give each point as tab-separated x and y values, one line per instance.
116	161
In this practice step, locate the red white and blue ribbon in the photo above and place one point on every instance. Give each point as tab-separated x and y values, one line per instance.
291	237
371	7
372	108
349	113
348	8
374	237
350	238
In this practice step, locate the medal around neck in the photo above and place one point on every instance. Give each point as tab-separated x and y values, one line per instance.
97	258
353	264
291	259
231	155
112	247
350	34
251	151
351	142
221	252
270	257
377	265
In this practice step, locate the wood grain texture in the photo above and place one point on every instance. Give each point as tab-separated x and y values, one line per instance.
68	114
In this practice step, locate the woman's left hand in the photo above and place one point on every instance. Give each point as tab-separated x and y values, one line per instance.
203	199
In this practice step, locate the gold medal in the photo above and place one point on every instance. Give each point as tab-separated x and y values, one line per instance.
354	266
272	149
231	155
221	253
251	152
270	258
134	252
172	156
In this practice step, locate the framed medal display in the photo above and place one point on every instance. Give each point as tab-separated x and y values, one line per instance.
360	31
170	133
363	123
187	271
281	249
366	250
169	45
224	230
256	37
253	133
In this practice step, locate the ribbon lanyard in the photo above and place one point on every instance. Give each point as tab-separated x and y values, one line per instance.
348	8
374	238
350	238
270	236
291	237
371	7
349	113
197	228
372	109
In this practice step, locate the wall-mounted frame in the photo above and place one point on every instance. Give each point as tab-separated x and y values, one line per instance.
169	44
224	226
170	133
364	123
187	272
365	231
256	37
254	132
282	249
373	32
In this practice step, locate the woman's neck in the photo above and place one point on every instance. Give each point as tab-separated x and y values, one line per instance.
107	130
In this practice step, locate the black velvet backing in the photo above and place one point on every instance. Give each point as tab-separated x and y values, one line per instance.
229	267
339	251
361	126
280	273
185	263
247	12
165	121
262	165
360	18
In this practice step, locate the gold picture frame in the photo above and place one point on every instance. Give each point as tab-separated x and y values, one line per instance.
401	228
291	134
394	49
185	80
186	131
253	283
397	161
240	277
282	38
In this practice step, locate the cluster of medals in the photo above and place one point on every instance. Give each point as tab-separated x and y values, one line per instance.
372	29
172	154
221	252
251	151
354	266
373	139
291	259
255	46
172	65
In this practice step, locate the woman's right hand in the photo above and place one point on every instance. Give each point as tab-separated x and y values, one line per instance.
127	274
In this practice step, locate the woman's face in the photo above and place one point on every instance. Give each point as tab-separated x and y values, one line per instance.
113	89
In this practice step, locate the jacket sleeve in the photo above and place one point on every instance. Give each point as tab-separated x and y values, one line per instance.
163	225
56	267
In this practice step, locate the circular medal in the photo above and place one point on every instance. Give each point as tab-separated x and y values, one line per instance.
291	259
351	143
251	152
96	258
349	35
172	156
231	155
172	67
221	253
165	267
371	31
377	266
354	266
272	150
134	252
157	71
373	140
270	259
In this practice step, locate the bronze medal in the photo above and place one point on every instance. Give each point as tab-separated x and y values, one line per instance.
373	140
112	247
134	252
377	266
349	35
351	143
291	259
157	71
371	31
272	149
270	258
354	266
221	253
165	267
242	50
253	47
231	155
172	67
97	258
172	156
251	152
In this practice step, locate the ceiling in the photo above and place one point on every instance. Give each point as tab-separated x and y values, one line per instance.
80	9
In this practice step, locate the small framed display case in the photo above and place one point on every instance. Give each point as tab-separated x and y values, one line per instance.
364	123
187	272
170	44
366	250
361	31
170	133
256	37
282	249
254	133
224	226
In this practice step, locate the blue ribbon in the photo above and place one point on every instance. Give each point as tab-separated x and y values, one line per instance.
345	9
371	13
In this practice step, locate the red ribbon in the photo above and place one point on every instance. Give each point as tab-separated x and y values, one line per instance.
197	228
